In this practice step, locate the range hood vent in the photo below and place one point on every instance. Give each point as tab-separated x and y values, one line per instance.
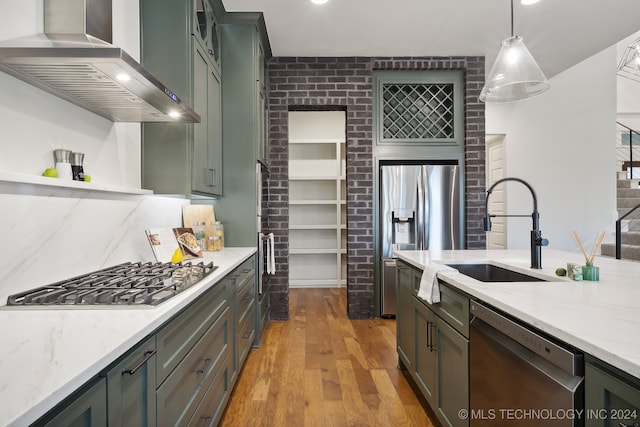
75	61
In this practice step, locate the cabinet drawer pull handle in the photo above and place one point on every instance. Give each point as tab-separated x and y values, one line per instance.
206	361
147	355
246	335
210	184
431	346
428	340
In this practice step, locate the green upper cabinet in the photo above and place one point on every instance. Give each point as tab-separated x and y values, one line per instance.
207	139
207	29
419	107
245	49
181	46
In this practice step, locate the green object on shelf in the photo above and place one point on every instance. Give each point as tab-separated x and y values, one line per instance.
561	271
590	272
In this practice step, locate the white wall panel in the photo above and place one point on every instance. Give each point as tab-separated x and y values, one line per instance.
563	143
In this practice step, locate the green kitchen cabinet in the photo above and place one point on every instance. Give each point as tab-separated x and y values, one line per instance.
176	339
404	318
87	408
433	343
419	108
242	282
245	48
131	388
612	397
181	374
209	412
442	358
181	47
426	362
452	351
207	139
441	364
186	387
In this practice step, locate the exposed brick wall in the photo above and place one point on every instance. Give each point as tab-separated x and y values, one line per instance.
346	82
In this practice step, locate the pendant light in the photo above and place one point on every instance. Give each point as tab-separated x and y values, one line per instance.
629	65
515	75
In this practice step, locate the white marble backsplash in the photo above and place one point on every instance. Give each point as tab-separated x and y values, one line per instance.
49	234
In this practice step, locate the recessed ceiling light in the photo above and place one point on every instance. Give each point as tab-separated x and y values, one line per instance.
528	2
319	1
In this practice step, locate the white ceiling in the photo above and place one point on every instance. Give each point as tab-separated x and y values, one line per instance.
559	33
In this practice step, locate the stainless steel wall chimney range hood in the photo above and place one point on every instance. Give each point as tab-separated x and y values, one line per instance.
75	60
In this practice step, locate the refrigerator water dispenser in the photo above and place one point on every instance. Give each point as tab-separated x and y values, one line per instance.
403	232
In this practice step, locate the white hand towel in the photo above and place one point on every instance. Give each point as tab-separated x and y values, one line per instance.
429	288
271	257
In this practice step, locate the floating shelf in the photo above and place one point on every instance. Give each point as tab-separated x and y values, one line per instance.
43	181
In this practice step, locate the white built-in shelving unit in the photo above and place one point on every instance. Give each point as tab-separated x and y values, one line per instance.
317	199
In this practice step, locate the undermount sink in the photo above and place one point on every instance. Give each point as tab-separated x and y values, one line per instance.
492	273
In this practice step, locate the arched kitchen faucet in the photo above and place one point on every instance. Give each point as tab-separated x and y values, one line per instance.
537	242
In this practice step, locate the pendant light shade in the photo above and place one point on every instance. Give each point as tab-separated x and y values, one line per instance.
515	75
629	65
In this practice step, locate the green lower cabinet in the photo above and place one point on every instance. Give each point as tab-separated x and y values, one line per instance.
88	409
210	410
433	344
441	366
453	374
244	312
131	388
405	315
426	361
612	397
185	388
182	374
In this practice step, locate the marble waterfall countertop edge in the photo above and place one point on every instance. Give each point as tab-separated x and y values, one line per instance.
600	318
47	353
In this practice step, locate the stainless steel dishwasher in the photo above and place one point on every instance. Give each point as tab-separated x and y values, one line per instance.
519	377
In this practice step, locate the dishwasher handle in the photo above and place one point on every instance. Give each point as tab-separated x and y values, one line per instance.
558	375
561	356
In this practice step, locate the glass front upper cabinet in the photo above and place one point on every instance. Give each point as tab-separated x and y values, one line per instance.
207	29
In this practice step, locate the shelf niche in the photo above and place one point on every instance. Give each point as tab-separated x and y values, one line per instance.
317	197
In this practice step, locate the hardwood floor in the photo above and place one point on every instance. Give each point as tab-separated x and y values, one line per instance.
321	369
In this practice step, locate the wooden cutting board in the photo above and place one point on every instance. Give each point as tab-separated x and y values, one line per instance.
198	213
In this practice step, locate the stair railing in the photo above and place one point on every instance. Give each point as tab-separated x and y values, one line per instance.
619	231
632	136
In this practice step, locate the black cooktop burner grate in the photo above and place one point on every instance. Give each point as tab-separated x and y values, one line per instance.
123	284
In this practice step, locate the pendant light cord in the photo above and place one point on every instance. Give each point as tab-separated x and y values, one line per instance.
511	18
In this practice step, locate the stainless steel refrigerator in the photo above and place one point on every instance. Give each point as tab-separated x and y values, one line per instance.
419	209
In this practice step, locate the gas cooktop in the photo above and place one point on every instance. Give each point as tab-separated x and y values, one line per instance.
127	284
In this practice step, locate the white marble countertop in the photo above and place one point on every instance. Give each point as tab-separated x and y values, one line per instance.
600	318
47	353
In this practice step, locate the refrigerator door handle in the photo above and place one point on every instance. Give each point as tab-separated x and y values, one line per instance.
422	229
